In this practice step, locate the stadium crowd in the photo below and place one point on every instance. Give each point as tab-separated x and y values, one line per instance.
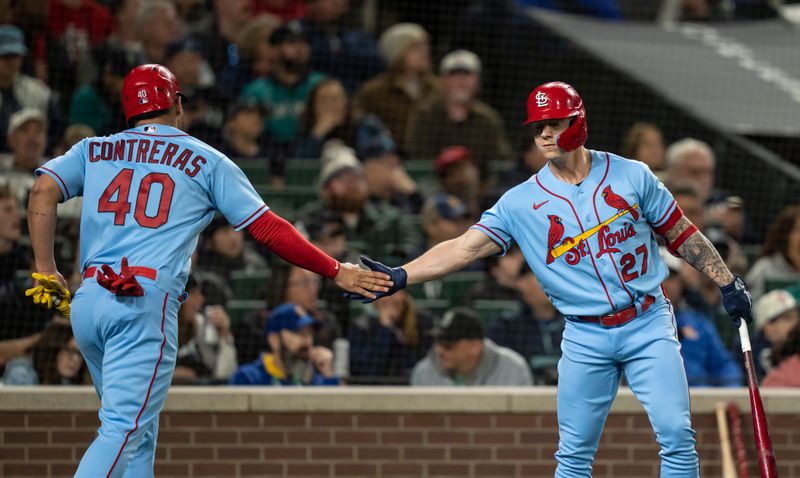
369	147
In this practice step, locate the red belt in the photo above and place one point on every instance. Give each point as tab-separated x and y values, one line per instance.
135	270
619	318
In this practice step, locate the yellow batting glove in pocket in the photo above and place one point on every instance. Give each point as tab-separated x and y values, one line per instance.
49	292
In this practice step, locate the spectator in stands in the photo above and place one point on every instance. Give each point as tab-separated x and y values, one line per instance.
775	314
502	282
607	9
688	198
293	359
78	26
123	35
241	136
326	115
780	256
644	142
285	9
156	26
54	359
206	350
326	230
529	162
408	82
285	91
21	319
535	332
194	13
459	176
388	340
17	90
461	355
458	117
705	358
375	229
443	217
730	214
12	256
27	139
99	104
203	114
73	135
348	54
293	284
692	161
218	35
225	250
255	54
786	359
287	283
387	179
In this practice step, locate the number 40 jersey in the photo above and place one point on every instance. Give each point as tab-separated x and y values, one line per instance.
148	192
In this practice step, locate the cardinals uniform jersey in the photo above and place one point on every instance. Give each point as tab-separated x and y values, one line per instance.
591	245
147	193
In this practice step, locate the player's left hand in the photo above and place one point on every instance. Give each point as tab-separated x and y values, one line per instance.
51	290
362	283
398	277
737	301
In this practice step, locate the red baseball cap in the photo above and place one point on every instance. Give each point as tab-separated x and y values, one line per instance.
451	155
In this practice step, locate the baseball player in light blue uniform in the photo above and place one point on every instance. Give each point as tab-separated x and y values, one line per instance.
586	224
148	192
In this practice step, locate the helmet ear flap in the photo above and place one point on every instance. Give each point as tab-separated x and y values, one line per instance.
575	135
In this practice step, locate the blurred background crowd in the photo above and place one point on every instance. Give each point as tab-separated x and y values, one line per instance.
383	128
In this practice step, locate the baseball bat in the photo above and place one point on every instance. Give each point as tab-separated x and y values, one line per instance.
738	440
766	456
728	470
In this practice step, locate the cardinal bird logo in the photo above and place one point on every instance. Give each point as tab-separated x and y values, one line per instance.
618	202
553	235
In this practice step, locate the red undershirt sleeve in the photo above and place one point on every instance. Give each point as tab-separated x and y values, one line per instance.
282	238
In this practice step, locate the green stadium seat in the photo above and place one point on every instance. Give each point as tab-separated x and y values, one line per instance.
22	278
247	285
288	200
452	288
779	284
302	172
256	170
435	306
491	309
238	309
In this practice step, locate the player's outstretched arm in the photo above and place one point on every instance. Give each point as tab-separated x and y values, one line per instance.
42	205
439	261
450	256
687	241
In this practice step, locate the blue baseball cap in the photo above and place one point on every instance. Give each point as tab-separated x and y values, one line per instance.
12	41
288	316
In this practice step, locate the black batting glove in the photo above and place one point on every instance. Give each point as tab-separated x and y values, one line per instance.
737	301
398	276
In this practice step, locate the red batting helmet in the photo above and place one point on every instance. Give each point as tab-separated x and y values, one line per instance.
149	88
557	100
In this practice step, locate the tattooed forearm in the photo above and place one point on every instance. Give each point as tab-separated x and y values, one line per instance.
698	251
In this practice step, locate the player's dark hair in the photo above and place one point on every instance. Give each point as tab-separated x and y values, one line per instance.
778	233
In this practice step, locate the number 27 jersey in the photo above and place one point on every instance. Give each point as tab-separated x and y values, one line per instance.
148	192
590	245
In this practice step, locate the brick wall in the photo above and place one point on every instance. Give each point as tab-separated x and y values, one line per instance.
370	444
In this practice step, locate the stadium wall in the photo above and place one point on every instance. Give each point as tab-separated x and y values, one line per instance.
372	432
